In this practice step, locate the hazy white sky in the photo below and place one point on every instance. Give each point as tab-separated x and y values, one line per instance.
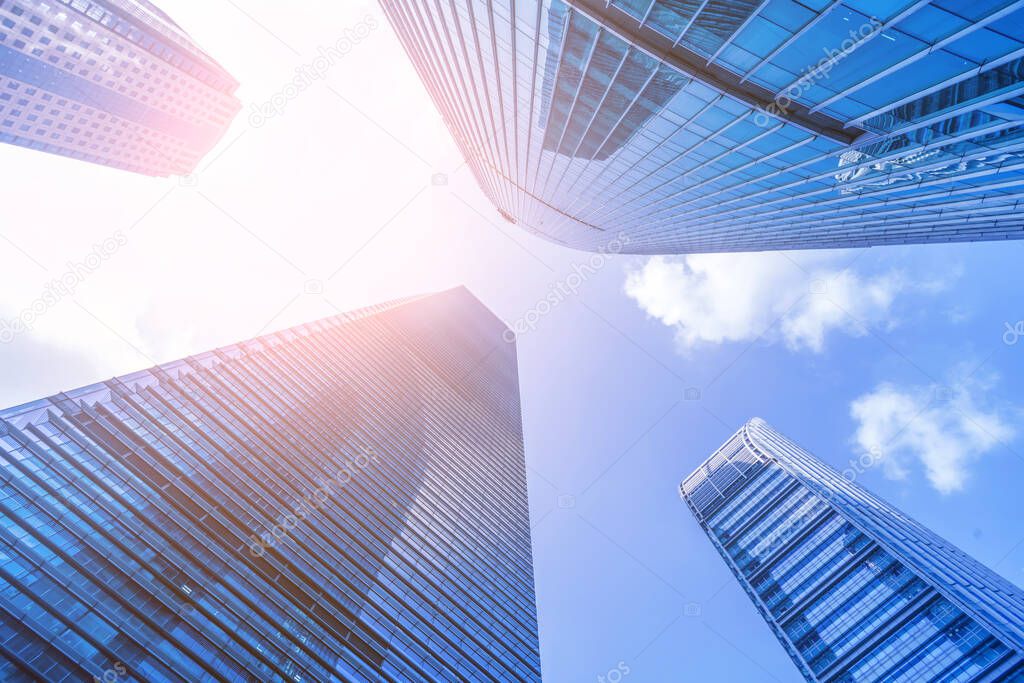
326	206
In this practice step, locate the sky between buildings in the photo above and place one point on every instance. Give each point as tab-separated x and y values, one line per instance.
898	364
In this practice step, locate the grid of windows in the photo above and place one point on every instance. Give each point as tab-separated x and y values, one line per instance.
734	125
342	501
115	83
854	590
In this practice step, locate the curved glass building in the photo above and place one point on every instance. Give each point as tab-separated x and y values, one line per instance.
114	82
734	125
340	501
856	591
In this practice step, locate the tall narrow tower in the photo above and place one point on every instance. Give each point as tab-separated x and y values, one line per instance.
340	501
855	590
733	125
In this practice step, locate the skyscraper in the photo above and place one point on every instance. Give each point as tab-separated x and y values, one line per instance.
114	82
855	590
340	501
733	125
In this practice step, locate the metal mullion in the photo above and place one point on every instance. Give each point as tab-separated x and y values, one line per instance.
962	108
826	190
758	602
162	435
765	507
679	156
737	233
138	637
199	436
988	129
513	557
566	24
822	519
157	500
501	523
227	425
914	609
512	596
855	227
942	163
689	22
646	14
746	498
939	219
448	98
143	415
752	162
831	174
732	37
321	541
607	137
285	604
774	173
533	99
300	473
223	520
832	578
486	88
28	621
475	581
312	565
910	59
819	15
589	209
805	181
889	527
733	492
843	54
97	644
892	190
984	644
500	91
513	49
597	110
340	349
703	164
555	153
487	145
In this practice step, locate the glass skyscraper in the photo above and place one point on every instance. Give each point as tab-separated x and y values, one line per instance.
114	82
734	125
855	590
341	501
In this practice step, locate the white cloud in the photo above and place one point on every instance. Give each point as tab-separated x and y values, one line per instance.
715	298
946	430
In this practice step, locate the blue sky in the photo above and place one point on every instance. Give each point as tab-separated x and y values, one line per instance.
332	204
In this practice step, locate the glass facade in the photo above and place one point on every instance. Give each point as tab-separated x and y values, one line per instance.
854	590
114	82
341	501
734	125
